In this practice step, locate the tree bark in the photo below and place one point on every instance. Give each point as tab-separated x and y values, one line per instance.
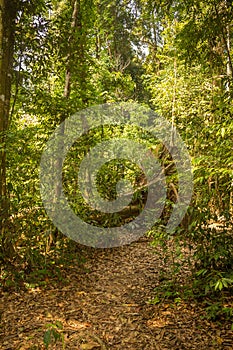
66	95
67	87
7	29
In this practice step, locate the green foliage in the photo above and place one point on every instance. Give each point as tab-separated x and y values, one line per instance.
53	334
173	56
189	86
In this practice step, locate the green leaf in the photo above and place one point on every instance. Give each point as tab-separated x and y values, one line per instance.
47	338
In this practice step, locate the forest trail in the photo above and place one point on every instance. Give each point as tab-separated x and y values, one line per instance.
105	305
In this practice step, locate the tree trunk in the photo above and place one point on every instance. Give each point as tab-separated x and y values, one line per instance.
7	29
66	95
67	88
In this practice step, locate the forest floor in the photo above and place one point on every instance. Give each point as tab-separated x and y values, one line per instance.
105	304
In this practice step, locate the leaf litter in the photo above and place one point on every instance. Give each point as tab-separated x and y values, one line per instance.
105	305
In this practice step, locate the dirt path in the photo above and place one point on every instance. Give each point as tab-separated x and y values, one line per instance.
106	307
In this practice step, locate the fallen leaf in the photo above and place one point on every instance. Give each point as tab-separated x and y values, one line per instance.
90	346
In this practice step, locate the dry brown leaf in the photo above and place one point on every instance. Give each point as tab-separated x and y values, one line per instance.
78	325
157	323
90	346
